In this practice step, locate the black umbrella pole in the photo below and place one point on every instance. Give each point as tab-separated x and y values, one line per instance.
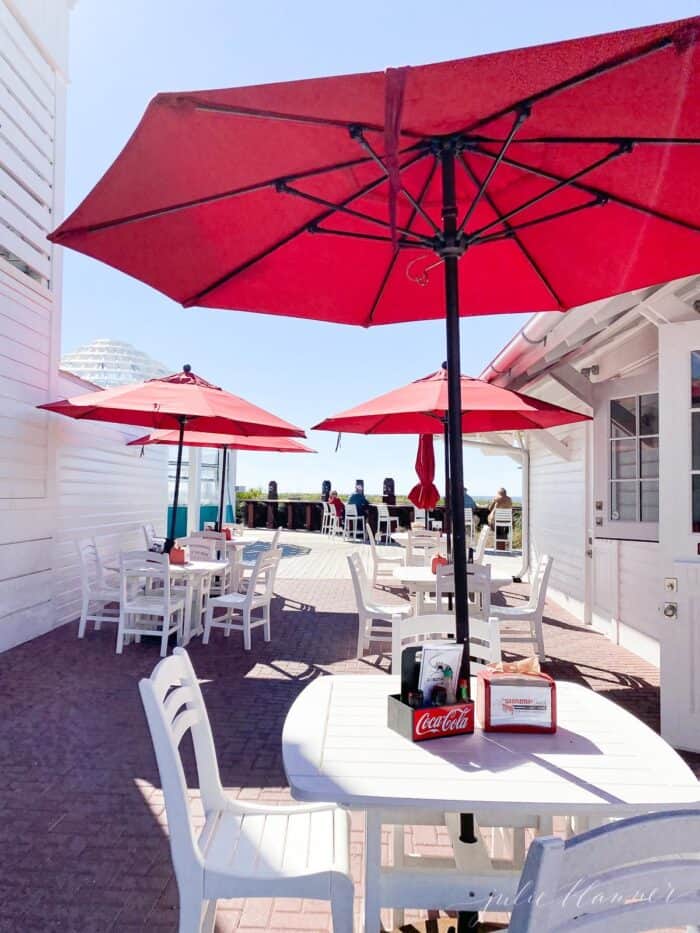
447	524
220	523
450	255
178	469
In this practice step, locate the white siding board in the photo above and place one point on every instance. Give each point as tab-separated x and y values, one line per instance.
33	207
22	557
25	46
21	170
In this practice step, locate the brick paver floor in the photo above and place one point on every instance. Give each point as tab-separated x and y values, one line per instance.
83	842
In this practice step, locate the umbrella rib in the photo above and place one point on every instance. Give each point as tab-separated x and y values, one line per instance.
287	117
562	183
394	257
520	118
375	237
602	140
287	189
581	78
512	229
278	244
208	199
525	251
592	190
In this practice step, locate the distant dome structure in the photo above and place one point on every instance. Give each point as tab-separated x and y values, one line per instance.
110	363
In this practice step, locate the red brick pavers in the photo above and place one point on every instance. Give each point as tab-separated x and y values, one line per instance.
83	841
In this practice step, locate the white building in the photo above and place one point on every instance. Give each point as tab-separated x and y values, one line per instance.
617	501
59	480
109	363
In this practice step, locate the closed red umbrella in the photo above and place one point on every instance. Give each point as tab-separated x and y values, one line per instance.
424	495
182	399
225	442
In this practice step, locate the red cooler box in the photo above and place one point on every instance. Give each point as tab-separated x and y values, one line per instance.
514	702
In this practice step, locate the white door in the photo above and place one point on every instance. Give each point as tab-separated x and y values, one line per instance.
679	532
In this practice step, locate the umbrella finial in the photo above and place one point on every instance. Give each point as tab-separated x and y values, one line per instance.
187	368
444	365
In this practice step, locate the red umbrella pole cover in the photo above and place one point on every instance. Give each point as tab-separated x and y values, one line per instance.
424	495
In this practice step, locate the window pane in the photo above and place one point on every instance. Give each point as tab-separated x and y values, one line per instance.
695	431
649	501
623	416
695	378
648	457
623	502
648	414
623	459
696	503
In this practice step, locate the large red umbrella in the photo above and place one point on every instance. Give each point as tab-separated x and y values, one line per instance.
182	399
539	178
424	494
225	442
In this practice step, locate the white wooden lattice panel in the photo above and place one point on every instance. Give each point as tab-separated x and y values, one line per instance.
27	151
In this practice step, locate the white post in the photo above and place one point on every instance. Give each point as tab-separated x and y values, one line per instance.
194	488
232	480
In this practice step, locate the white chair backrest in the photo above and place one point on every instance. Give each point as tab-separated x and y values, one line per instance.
484	637
503	516
360	583
418	519
276	538
538	589
214	536
326	507
173	703
478	582
200	548
143	565
383	510
468	516
351	511
149	533
90	564
480	549
262	577
372	542
636	874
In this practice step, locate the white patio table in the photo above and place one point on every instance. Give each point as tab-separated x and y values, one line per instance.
197	576
401	538
602	762
422	580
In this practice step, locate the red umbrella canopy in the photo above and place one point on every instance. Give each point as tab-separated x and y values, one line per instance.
275	198
162	404
424	495
421	407
282	445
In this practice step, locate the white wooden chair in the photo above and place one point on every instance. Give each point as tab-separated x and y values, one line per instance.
149	533
421	547
258	595
371	614
328	514
159	612
480	549
383	563
635	874
244	849
478	588
387	523
199	547
503	520
225	580
97	590
533	611
354	524
436	524
484	637
418	518
469	525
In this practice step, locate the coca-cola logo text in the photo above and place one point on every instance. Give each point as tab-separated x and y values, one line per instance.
442	721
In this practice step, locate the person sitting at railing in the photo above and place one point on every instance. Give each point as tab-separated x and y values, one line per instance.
500	501
336	503
358	499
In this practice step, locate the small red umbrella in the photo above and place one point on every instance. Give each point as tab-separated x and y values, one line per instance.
182	399
421	408
424	495
225	442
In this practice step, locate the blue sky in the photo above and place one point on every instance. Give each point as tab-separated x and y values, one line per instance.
123	53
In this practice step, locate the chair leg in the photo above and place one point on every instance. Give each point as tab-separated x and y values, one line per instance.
362	622
207	624
100	612
164	637
538	637
266	626
246	629
120	632
342	897
83	617
192	912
